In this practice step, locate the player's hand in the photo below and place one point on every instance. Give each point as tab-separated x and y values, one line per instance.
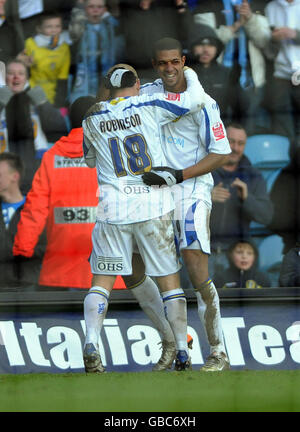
162	176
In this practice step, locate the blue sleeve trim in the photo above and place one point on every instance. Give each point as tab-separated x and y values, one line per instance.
207	130
175	109
189	225
153	84
85	148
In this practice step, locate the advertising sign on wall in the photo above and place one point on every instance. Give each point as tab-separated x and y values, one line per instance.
257	336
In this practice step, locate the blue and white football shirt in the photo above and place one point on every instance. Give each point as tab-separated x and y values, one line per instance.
188	140
122	137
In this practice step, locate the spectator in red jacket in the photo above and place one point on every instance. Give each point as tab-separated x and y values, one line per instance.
64	199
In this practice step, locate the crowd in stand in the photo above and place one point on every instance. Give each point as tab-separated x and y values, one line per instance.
247	56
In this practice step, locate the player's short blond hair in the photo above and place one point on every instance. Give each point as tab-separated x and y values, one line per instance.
122	66
104	93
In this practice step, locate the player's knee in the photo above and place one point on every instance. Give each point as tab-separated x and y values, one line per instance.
196	263
195	257
133	281
208	292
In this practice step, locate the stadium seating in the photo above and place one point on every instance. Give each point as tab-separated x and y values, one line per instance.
255	227
270	256
269	154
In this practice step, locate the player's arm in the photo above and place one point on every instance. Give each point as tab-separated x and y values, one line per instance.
194	90
169	176
208	164
217	147
89	151
167	106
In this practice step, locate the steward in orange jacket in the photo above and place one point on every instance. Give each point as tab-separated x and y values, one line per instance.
64	198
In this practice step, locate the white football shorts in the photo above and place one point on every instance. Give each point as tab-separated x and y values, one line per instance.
191	222
113	246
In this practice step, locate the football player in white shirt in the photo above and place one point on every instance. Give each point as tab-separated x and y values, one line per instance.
142	286
122	139
194	146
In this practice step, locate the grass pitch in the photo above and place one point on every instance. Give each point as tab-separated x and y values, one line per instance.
230	391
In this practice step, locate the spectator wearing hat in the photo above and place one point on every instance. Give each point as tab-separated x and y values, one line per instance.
243	271
215	78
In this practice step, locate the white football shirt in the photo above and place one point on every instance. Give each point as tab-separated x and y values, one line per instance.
123	137
188	140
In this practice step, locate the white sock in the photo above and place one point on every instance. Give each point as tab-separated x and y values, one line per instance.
149	298
210	315
95	307
176	314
